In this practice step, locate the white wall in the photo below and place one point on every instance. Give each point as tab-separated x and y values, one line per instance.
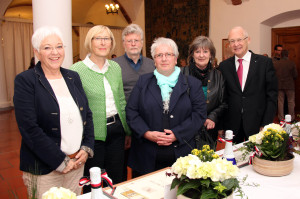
290	23
250	14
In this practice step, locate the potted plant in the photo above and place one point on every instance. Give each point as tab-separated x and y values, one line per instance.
272	151
203	174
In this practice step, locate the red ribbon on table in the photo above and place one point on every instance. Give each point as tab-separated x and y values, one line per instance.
255	153
223	140
85	180
283	123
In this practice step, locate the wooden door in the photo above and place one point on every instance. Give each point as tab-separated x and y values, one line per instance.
290	39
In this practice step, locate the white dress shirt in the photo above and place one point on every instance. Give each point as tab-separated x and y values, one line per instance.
246	64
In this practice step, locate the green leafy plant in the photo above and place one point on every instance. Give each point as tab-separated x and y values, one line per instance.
203	174
273	143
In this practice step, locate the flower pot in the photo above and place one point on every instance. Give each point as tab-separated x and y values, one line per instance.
184	197
273	168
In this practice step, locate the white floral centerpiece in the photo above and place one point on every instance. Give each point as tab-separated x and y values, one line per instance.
59	193
203	174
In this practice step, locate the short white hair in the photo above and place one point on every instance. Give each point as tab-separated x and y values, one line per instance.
245	33
41	33
164	41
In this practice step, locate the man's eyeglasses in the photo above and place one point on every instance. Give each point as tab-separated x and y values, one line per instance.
167	55
132	41
232	41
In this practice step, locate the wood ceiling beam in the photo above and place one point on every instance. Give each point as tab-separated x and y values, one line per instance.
128	19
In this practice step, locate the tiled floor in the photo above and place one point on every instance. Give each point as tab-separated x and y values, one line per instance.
11	184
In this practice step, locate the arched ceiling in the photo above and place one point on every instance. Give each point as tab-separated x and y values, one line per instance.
82	10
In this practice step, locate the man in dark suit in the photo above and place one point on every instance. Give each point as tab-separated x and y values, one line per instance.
251	88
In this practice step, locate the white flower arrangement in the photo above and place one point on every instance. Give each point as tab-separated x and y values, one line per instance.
59	193
192	167
203	174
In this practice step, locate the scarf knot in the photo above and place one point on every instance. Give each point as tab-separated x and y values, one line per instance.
166	84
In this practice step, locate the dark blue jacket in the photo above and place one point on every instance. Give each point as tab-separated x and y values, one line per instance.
38	118
144	113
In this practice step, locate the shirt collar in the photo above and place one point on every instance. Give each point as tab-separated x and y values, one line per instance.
89	63
131	61
246	57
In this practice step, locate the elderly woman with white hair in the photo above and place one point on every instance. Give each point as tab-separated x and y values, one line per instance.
164	111
102	81
53	117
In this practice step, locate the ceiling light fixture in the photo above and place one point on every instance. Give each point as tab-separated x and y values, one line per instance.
112	8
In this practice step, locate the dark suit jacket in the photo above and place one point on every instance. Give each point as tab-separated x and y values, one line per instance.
257	104
38	118
144	113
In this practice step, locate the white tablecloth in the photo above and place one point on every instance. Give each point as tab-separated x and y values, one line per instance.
285	187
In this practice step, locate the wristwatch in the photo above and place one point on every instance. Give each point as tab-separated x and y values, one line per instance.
89	151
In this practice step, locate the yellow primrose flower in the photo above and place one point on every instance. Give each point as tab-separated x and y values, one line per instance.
215	156
195	152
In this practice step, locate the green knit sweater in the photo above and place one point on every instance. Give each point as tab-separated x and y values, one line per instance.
93	86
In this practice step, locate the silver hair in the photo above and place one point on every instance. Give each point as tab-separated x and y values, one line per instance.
41	33
164	41
245	33
132	29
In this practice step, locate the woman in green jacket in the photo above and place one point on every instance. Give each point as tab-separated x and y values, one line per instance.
102	81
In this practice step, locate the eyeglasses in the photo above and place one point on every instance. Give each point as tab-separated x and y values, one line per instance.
51	48
132	41
232	41
104	39
167	55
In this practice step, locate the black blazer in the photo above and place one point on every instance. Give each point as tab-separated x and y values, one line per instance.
38	118
257	104
144	112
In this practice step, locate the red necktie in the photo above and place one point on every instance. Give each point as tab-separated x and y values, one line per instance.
240	72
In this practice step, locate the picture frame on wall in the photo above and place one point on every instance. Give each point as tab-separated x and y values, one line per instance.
226	51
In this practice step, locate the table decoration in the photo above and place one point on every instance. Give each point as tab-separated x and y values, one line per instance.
203	174
272	151
59	193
